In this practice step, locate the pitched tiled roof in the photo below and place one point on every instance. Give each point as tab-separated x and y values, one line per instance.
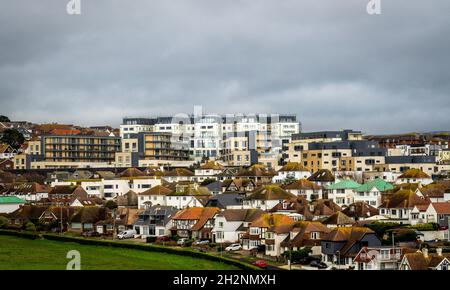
201	214
344	184
339	218
441	207
278	223
257	170
293	166
322	175
179	172
378	183
157	190
245	215
270	192
31	212
418	261
302	184
360	209
403	198
303	230
212	165
414	173
132	172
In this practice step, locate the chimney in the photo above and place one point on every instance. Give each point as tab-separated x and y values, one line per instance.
425	252
439	251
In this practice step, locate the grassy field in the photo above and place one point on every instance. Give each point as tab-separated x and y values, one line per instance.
24	254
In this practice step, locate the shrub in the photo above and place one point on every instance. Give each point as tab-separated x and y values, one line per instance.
30	227
151	239
3	222
297	255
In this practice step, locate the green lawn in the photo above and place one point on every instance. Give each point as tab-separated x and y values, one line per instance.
24	254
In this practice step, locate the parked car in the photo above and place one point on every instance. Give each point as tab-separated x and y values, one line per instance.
91	234
126	234
261	264
318	264
163	238
306	260
233	247
181	241
201	242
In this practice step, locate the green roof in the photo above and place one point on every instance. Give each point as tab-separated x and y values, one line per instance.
380	184
344	184
10	199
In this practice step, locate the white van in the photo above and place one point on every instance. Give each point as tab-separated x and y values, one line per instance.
126	234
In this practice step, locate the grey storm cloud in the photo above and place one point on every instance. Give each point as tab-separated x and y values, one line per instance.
327	61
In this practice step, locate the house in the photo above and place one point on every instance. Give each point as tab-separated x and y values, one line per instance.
398	207
380	258
226	200
118	220
30	191
209	170
438	212
418	214
228	173
300	209
89	201
7	152
153	196
342	192
322	177
414	176
65	195
155	221
26	213
371	192
435	191
266	197
292	170
195	222
86	218
306	234
187	194
360	211
230	224
178	174
305	188
422	260
338	219
259	173
342	244
57	217
238	184
9	204
214	187
268	230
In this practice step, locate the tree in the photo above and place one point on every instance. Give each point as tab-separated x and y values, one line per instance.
289	179
13	138
4	119
111	204
29	226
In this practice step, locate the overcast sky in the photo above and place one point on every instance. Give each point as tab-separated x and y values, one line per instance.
328	61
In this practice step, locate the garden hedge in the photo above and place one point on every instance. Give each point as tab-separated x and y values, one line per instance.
21	234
